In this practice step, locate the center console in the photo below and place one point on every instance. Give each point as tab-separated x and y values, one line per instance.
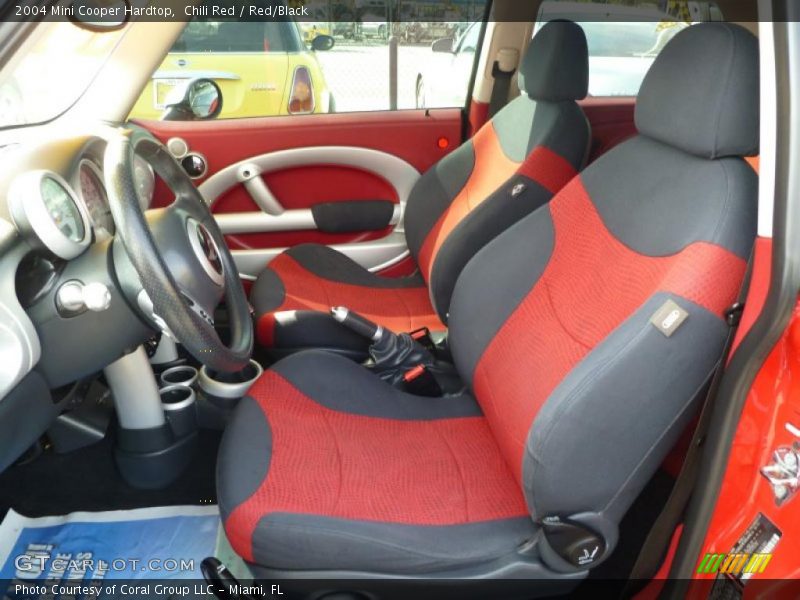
160	408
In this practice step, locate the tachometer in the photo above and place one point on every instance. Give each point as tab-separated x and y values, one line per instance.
95	199
43	204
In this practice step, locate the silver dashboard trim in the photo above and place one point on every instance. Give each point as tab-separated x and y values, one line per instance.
229	391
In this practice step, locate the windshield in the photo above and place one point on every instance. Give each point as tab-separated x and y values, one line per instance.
57	66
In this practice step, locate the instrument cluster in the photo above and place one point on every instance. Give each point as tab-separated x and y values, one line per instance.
67	217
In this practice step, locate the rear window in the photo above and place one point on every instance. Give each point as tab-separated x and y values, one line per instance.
629	40
625	37
238	37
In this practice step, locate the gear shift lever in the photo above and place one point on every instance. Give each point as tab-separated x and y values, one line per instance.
393	355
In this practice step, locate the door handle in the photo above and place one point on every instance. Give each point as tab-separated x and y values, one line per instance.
250	176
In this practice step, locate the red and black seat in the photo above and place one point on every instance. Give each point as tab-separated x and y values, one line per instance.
586	334
513	165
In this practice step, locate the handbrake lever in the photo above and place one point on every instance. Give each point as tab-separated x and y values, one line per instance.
358	324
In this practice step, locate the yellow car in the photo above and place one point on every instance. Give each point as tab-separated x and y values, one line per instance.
263	69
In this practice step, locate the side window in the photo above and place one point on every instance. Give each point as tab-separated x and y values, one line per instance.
624	39
334	59
469	40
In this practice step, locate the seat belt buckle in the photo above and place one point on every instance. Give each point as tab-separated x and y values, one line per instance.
421	382
423	338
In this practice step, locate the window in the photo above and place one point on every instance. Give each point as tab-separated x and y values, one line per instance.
625	38
339	62
469	41
238	37
61	57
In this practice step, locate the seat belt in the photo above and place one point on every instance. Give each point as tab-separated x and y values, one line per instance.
655	545
503	70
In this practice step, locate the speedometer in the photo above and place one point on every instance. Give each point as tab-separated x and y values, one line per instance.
95	199
63	209
44	208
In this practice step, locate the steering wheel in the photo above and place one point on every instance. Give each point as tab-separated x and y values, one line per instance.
183	265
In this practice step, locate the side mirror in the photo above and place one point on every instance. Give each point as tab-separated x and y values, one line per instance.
443	45
196	100
322	43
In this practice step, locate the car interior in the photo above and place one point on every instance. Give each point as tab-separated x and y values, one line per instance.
435	344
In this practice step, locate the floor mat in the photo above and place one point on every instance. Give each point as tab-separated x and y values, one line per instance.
88	549
88	480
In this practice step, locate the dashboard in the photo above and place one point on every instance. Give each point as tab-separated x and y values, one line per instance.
66	212
55	225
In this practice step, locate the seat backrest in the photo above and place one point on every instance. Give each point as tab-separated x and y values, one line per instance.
511	166
588	330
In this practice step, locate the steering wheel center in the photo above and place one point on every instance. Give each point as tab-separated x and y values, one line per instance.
206	250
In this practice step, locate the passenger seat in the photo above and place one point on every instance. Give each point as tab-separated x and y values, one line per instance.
512	166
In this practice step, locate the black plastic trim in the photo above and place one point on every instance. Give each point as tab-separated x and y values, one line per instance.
352	216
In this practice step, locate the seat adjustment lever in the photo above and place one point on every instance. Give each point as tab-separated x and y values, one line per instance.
574	542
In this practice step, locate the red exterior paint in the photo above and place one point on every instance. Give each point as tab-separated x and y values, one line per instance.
611	120
373	469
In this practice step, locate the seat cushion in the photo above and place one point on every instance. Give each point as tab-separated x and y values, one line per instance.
293	296
331	468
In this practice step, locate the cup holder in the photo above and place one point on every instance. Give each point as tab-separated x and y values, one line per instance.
226	389
183	375
180	409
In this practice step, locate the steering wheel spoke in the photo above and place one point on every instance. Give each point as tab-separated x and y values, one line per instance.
204	312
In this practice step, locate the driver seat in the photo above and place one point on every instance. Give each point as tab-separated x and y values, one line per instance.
586	334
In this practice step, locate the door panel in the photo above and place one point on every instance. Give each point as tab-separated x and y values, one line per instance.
265	175
303	187
410	135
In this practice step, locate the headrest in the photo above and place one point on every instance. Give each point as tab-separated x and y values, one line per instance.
702	92
556	64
